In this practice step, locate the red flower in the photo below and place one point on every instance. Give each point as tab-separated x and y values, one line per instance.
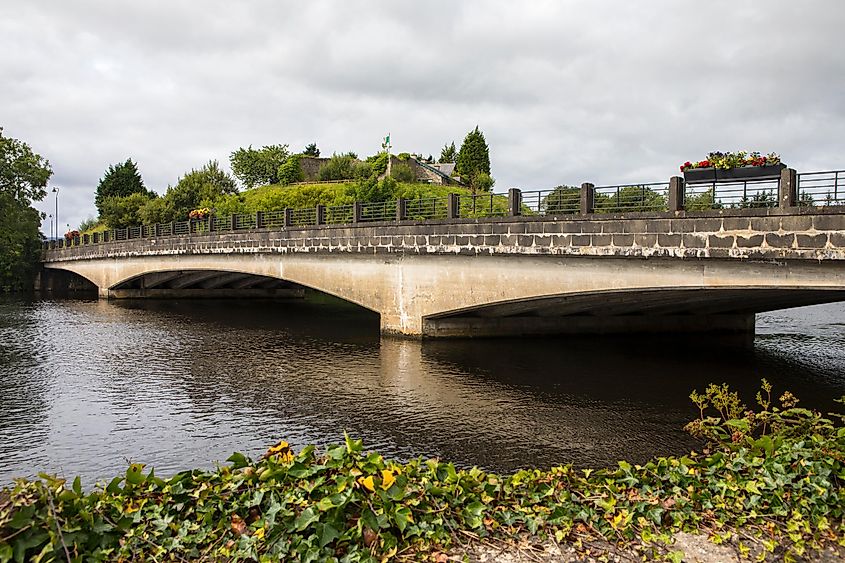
704	164
686	165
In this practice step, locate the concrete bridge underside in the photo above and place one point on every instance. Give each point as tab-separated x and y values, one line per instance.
455	295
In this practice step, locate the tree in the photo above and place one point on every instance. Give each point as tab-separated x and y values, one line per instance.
562	199
403	173
448	153
23	179
120	180
122	212
291	171
338	167
311	150
197	188
256	167
473	158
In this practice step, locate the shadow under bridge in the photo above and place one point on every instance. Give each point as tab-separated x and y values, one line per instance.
205	284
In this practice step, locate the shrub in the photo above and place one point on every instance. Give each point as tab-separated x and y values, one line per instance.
403	173
291	171
338	167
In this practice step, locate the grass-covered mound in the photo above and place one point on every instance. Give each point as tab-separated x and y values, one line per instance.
301	196
769	482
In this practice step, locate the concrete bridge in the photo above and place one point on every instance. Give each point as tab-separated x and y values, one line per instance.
638	271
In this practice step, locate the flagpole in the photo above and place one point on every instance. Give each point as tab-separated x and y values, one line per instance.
387	144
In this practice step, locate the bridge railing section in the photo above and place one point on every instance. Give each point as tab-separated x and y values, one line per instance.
821	188
739	194
563	200
808	189
631	197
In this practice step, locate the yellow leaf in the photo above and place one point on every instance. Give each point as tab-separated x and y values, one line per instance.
367	482
259	533
387	479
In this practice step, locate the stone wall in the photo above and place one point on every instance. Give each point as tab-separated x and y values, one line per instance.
311	167
744	234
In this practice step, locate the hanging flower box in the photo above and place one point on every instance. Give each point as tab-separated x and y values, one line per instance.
727	167
711	174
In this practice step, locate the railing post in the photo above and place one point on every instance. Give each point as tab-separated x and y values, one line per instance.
453	210
788	188
288	216
401	209
356	212
86	239
677	193
588	198
95	238
233	221
157	230
514	202
211	221
259	220
321	215
106	236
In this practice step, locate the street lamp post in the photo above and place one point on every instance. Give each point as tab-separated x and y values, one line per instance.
56	191
51	226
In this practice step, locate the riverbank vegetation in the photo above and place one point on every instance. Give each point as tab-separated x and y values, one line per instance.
23	180
767	483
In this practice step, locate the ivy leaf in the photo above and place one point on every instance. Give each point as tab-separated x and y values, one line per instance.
327	534
238	460
308	517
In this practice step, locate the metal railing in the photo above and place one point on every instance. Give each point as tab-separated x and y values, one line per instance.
632	197
562	200
737	194
817	189
427	208
809	189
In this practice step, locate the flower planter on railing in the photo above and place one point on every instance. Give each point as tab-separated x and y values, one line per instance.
710	175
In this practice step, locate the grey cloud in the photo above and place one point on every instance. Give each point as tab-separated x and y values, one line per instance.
603	91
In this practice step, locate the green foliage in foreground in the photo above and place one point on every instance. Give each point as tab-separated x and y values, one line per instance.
769	483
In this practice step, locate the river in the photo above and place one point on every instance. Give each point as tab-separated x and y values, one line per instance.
87	386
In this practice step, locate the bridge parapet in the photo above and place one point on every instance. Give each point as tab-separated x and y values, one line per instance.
760	234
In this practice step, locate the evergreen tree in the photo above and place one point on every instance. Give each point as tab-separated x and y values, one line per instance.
473	158
448	153
120	180
311	150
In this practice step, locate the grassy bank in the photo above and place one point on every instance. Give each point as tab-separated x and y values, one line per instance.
769	483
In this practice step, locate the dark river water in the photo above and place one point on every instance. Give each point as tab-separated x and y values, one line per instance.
87	386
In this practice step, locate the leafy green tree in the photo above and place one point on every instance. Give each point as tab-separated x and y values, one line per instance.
563	199
256	167
338	167
373	190
122	212
630	198
473	158
483	182
88	224
120	180
23	179
448	153
378	162
311	150
403	173
291	171
199	188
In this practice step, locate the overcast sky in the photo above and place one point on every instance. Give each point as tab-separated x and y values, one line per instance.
564	91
